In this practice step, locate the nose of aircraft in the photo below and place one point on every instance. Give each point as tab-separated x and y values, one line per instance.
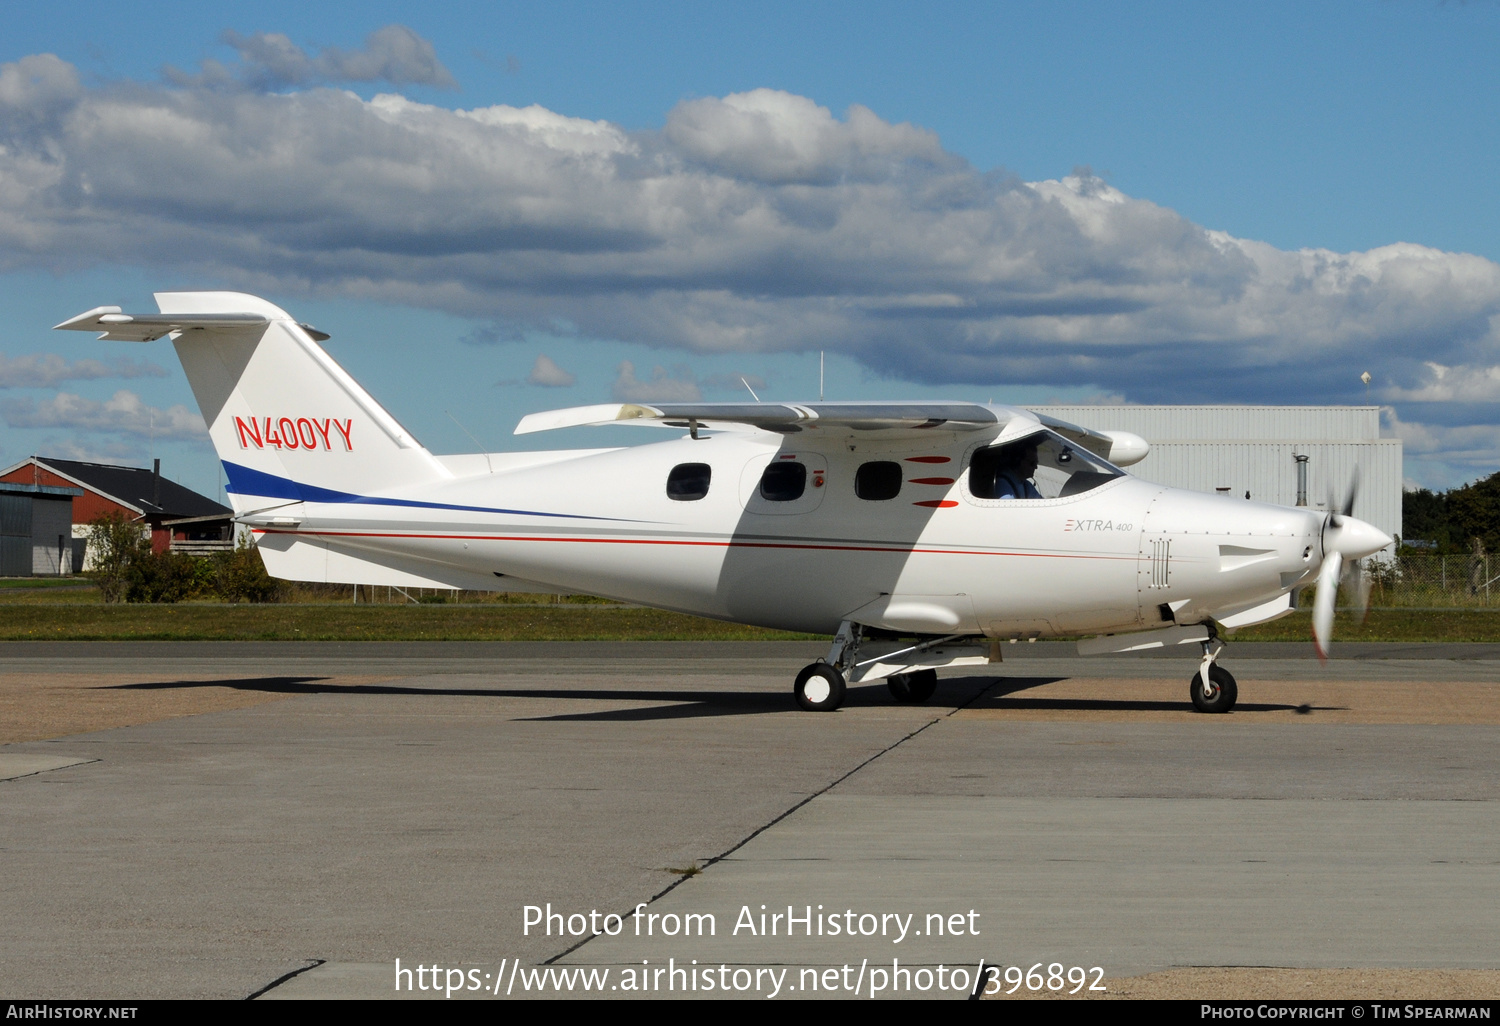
1353	539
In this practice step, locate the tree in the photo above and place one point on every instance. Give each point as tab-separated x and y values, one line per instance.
1474	513
1424	515
116	545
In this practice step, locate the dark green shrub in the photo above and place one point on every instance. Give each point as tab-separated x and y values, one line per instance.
162	577
240	576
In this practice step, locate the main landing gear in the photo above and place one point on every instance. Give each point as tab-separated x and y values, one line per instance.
912	688
821	686
1212	688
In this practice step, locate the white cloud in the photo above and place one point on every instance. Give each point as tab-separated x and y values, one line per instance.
734	381
548	374
47	370
771	136
1465	384
676	386
124	412
124	454
270	60
1441	456
756	222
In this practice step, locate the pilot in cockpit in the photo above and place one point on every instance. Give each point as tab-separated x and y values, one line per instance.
1016	469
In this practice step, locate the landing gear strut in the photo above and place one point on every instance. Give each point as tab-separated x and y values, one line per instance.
1212	688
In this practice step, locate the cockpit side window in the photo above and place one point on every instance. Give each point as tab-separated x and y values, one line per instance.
688	482
1043	465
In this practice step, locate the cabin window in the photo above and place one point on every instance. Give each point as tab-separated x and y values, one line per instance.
783	481
878	480
688	481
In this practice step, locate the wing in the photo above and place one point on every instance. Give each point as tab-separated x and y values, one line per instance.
784	418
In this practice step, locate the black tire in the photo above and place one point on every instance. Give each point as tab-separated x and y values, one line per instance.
1220	696
819	688
912	688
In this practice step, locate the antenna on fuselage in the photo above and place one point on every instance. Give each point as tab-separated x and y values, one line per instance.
749	389
482	447
820	375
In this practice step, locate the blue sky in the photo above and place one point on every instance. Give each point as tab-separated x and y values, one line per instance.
1250	167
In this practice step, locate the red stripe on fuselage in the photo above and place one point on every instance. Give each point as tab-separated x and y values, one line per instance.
678	541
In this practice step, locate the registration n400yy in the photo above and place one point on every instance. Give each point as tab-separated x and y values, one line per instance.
920	534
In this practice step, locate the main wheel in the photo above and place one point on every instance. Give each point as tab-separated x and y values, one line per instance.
912	687
1220	694
819	688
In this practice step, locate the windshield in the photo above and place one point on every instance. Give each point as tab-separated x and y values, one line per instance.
1042	465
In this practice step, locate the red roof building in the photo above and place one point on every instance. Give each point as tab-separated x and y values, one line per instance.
178	517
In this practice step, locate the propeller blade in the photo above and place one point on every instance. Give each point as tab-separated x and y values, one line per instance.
1323	602
1348	508
1359	584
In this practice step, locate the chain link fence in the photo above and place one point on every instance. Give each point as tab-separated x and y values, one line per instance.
1423	579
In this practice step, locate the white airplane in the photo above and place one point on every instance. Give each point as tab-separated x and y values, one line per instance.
920	535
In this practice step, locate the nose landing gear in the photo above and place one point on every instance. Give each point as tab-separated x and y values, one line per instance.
1213	689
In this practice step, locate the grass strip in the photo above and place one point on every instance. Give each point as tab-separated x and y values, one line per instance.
1404	625
87	621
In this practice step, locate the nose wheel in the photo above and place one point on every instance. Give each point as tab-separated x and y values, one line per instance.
1218	695
1212	688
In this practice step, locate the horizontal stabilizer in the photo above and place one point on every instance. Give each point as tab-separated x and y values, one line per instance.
780	417
126	327
123	327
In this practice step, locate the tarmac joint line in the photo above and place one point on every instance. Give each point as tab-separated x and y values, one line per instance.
979	694
312	963
16	766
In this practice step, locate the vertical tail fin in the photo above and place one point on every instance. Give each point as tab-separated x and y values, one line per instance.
288	422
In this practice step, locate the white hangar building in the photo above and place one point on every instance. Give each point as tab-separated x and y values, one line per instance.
1237	449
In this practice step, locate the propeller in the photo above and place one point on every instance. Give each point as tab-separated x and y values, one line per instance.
1345	539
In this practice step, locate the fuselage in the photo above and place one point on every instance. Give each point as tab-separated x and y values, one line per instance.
933	558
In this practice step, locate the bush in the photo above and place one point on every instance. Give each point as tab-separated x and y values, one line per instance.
240	576
163	577
128	571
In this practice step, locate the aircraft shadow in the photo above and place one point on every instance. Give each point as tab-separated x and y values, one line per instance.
679	704
999	697
952	694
